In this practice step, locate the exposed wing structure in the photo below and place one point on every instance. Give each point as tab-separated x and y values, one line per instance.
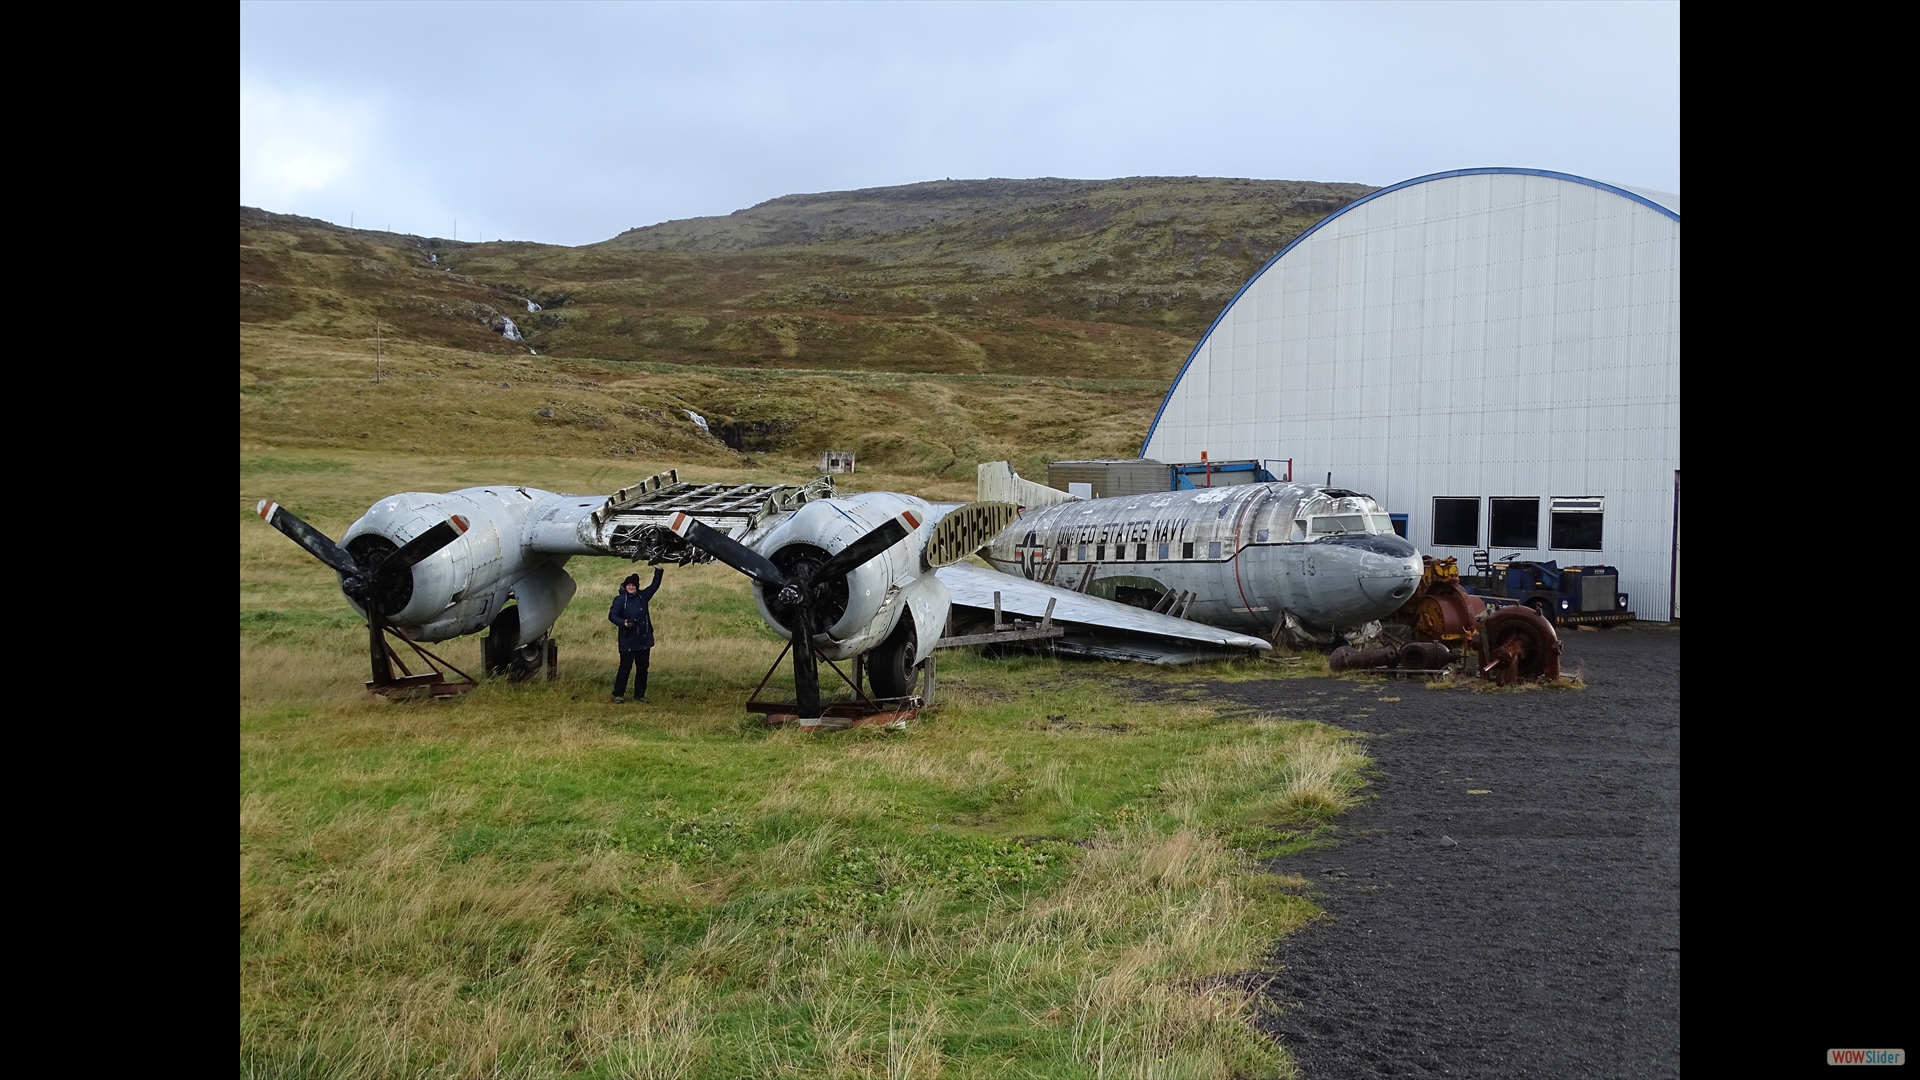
1097	627
638	522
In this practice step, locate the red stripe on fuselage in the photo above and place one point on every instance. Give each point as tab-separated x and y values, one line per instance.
1239	547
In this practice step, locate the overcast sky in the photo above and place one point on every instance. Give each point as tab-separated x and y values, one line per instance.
569	123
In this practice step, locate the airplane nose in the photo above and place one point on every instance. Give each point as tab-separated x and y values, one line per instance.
1383	584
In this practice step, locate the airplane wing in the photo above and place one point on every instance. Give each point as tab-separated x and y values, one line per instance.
636	522
1095	627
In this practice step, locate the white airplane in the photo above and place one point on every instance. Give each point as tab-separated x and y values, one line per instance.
1256	558
858	573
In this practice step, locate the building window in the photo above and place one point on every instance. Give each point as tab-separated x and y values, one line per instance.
1513	523
1456	522
1576	523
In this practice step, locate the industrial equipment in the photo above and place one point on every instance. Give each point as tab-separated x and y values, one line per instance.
1568	595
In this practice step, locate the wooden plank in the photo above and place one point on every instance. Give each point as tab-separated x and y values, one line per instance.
1034	634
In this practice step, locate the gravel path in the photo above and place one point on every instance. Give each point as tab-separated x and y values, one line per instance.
1546	940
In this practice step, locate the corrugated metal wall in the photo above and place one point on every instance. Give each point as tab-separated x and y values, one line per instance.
1480	334
1111	479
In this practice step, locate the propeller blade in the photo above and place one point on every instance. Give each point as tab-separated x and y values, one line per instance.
419	548
880	539
308	537
806	666
728	550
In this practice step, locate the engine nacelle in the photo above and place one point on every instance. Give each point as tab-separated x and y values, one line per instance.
877	592
462	587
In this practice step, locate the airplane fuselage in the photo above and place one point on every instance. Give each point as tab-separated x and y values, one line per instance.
1327	556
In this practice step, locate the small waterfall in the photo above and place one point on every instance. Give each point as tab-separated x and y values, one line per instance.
432	258
697	419
531	306
508	330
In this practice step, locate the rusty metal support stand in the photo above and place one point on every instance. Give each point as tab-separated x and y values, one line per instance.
385	659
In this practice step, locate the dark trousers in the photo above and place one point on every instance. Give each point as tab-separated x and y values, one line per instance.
636	662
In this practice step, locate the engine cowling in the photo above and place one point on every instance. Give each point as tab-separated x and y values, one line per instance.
858	616
462	587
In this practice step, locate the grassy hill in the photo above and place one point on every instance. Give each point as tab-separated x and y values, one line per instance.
926	327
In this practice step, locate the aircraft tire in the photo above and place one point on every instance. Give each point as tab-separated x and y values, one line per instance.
890	665
496	655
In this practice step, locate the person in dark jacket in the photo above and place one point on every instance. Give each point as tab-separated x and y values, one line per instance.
629	613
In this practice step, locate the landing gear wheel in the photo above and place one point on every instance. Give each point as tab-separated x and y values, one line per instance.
500	656
497	649
891	664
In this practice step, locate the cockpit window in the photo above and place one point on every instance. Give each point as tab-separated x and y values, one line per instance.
1382	523
1335	524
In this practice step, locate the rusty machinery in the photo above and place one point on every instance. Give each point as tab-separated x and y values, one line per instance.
1518	643
1441	609
1513	642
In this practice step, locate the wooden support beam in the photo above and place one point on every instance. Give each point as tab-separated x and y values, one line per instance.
1010	634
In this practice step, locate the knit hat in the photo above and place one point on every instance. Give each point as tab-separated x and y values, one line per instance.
633	580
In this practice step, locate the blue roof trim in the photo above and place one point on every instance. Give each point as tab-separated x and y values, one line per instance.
1298	240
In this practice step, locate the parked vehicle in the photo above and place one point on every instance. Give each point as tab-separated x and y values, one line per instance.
1568	595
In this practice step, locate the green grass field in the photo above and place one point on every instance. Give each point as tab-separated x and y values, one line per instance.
531	881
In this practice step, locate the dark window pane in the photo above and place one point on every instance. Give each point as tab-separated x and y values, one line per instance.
1514	523
1186	551
1456	523
1578	531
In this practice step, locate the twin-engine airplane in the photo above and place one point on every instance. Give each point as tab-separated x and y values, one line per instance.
437	566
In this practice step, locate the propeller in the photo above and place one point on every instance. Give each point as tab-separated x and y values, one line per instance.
374	585
802	588
362	582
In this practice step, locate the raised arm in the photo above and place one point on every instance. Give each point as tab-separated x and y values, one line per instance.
647	593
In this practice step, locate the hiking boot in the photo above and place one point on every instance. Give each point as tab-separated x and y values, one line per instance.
618	700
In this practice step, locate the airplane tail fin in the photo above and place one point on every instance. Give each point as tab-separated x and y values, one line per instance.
999	483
